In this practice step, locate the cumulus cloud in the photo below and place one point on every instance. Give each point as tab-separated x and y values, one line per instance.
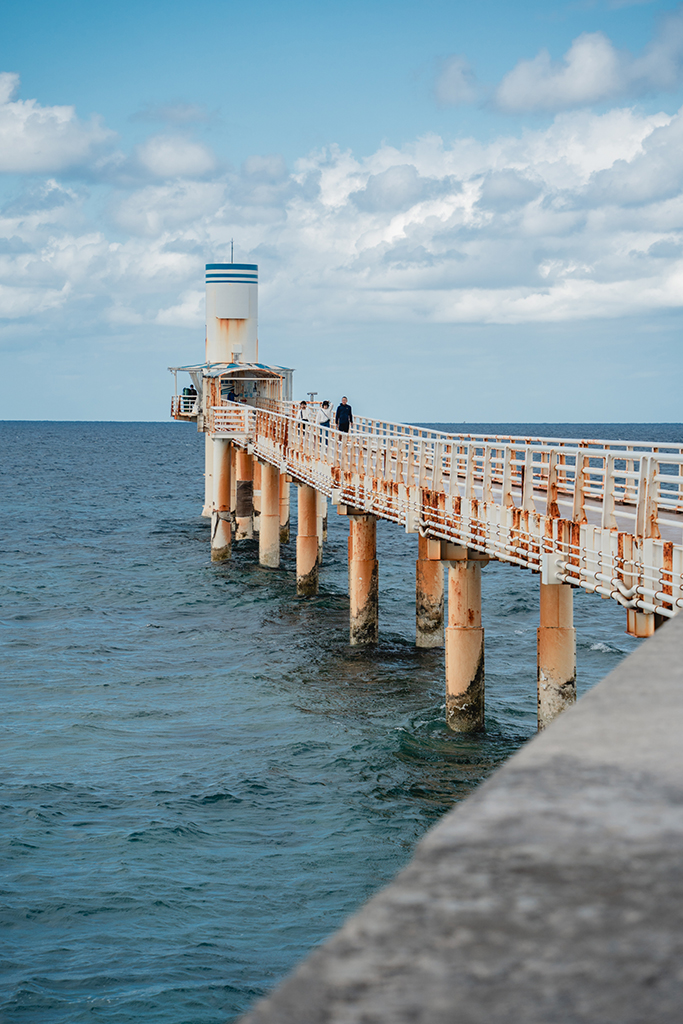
593	70
582	218
45	140
175	156
455	83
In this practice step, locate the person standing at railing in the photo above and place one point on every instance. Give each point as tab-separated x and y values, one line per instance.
302	414
344	416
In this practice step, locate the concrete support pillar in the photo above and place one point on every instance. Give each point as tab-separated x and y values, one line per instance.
257	496
244	496
208	476
641	624
221	531
363	580
556	652
464	648
269	527
428	596
306	543
284	508
233	483
321	523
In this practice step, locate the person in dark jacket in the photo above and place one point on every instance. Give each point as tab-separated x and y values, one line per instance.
344	416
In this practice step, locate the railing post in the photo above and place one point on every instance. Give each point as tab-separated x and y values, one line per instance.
608	520
580	465
552	509
506	497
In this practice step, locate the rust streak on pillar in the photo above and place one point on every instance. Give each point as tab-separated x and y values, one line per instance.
269	527
284	508
221	532
428	596
363	580
556	638
244	496
306	543
464	649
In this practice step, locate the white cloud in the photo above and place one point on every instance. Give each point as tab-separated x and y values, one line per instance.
581	219
593	71
158	208
45	140
174	156
455	83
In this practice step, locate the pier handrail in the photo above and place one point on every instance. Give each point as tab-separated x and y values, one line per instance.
381	428
601	517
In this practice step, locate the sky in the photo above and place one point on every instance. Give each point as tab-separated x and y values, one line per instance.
460	212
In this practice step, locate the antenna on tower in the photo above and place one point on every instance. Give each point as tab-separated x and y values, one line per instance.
232	250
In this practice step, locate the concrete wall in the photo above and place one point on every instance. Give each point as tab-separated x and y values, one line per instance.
553	894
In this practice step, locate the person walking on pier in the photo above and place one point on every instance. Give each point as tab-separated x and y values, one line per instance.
302	414
344	416
323	414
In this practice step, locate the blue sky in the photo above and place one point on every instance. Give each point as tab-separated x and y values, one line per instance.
460	211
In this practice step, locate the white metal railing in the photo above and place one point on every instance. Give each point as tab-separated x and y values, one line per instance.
233	418
606	516
184	405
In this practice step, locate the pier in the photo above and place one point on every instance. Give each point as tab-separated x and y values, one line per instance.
603	516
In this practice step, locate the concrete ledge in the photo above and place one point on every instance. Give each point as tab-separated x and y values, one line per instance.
553	894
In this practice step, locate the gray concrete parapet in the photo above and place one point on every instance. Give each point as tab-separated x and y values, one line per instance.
553	895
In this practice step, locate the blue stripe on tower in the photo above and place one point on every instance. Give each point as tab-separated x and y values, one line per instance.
232	280
232	266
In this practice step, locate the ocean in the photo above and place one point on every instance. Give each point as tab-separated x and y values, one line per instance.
200	778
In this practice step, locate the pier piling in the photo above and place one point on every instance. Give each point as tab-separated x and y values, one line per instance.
244	496
284	508
269	525
464	648
306	543
429	594
363	580
321	523
221	530
208	476
556	638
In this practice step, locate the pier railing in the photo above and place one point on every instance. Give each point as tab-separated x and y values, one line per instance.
184	405
606	516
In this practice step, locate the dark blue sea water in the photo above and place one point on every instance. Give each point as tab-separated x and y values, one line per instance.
200	778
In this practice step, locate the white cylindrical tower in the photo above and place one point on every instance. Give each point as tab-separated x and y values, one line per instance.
231	313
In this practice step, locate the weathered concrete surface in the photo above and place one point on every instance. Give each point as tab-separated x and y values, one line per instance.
553	895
